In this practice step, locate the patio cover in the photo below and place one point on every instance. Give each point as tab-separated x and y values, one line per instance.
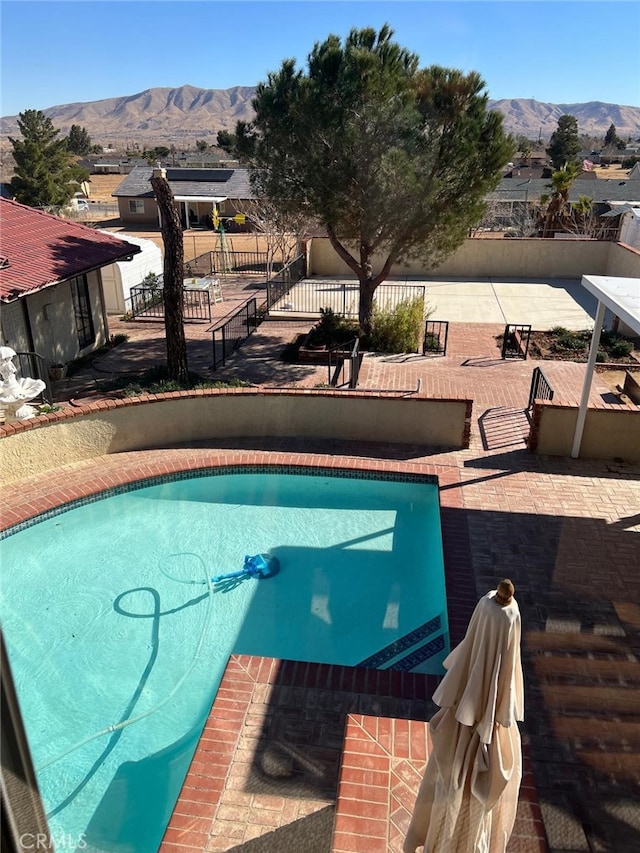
622	297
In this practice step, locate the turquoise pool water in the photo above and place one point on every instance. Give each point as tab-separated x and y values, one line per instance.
105	625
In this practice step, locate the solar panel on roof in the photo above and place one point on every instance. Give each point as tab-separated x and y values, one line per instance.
210	175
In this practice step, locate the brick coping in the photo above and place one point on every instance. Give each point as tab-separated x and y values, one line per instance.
106	403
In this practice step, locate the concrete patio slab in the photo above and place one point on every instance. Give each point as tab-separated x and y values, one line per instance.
545	304
539	303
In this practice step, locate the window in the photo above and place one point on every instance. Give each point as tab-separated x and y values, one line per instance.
82	311
136	205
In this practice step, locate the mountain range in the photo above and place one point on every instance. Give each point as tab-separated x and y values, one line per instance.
187	113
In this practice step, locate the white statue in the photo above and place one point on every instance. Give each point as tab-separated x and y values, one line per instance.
14	392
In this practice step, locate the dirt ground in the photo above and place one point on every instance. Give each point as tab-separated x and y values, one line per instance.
195	242
101	187
613	171
613	379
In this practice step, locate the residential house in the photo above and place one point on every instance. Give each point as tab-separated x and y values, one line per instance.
514	199
51	283
625	218
197	193
118	278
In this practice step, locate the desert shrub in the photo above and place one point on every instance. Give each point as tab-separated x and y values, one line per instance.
398	330
600	356
573	341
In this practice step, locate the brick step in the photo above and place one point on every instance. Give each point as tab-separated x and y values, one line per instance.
577	642
612	734
588	700
382	765
619	764
620	671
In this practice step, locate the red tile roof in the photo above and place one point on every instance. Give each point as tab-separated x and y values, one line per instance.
41	249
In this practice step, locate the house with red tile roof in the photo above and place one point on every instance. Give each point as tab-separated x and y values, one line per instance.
51	287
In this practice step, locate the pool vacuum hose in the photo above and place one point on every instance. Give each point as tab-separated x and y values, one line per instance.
259	566
124	723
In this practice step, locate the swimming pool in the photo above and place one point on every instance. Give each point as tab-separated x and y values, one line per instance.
108	619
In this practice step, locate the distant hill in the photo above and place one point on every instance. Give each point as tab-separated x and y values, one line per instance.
188	113
155	115
536	119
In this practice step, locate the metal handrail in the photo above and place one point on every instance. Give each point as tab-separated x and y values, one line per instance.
351	352
281	283
540	388
235	331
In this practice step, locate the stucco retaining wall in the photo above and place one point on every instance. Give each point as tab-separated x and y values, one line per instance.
498	258
623	261
608	433
42	444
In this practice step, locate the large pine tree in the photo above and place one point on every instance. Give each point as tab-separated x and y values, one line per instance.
79	141
393	160
564	144
44	173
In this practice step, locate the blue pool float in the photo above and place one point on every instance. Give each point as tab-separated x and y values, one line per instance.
260	566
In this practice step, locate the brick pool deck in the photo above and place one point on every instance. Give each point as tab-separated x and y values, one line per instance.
315	758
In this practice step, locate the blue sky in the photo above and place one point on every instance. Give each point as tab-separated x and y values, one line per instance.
85	50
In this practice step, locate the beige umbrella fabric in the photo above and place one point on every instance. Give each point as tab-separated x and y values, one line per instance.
468	798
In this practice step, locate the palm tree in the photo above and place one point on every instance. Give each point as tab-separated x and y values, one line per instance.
556	209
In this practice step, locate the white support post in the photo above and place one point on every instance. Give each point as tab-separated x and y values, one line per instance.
586	388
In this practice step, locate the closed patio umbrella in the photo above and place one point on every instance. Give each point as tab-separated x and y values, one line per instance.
468	798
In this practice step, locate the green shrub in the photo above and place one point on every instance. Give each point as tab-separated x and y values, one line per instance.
333	329
615	344
431	343
116	340
133	389
230	383
400	330
164	386
621	348
601	356
154	380
573	341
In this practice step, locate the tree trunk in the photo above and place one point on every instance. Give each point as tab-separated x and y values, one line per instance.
365	311
368	281
171	229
